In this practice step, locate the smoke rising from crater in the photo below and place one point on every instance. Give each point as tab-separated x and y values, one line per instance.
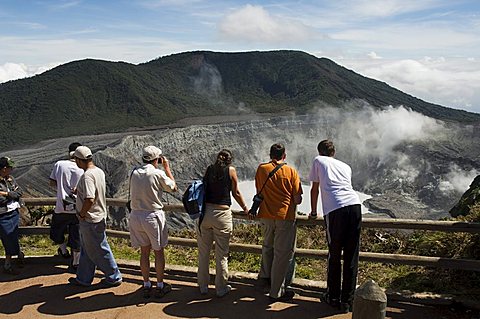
392	149
208	82
457	180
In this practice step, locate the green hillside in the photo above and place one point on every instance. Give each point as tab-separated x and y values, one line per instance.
91	96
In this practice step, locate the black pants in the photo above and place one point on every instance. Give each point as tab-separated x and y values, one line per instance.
65	223
343	234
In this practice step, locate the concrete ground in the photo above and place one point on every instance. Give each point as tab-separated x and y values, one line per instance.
41	291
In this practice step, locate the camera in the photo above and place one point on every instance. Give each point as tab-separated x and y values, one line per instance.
257	200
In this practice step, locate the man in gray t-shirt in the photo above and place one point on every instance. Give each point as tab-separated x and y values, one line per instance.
92	212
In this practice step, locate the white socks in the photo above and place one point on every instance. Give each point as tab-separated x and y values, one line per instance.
76	258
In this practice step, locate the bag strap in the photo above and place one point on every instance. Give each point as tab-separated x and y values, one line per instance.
270	175
130	182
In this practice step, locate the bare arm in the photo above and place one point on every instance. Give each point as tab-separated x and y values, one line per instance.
235	190
168	172
87	204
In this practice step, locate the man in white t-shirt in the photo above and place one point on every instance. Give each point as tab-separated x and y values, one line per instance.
147	224
343	217
91	206
64	178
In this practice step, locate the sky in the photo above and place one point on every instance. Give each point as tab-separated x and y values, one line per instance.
427	48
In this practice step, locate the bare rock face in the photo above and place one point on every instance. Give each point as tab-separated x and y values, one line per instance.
410	172
469	198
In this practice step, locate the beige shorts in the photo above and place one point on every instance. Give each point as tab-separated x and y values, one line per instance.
148	229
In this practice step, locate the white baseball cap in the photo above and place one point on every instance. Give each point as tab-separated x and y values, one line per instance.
83	152
151	152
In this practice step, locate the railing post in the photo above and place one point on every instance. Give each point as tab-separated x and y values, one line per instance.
370	301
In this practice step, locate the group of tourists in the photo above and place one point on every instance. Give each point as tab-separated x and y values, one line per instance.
81	212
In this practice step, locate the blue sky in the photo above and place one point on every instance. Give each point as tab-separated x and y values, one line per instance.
427	48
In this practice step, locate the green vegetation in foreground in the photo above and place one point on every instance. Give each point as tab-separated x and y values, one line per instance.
397	277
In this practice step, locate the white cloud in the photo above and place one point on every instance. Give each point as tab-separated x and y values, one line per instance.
386	8
409	38
168	3
61	5
14	71
255	24
449	82
133	50
372	55
11	71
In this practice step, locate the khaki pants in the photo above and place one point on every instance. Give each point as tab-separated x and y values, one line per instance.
216	226
277	253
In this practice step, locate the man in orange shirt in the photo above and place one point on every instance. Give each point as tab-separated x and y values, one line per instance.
282	193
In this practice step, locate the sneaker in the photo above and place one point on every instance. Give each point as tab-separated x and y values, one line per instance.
109	283
65	254
72	269
147	292
74	282
224	292
203	290
160	292
345	307
10	271
286	297
332	302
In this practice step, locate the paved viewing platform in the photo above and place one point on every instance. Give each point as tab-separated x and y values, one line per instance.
41	290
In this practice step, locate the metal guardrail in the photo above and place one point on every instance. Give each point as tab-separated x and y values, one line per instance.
439	262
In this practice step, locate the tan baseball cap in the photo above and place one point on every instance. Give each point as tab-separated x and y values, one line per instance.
151	152
83	152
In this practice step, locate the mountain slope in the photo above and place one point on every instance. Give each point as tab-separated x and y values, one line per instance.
91	96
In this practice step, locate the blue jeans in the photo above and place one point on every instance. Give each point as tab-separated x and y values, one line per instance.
9	232
95	252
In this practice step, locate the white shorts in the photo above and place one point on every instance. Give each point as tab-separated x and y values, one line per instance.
148	228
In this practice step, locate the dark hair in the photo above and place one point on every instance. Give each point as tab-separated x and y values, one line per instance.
148	162
90	159
326	148
72	147
5	162
277	151
224	159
